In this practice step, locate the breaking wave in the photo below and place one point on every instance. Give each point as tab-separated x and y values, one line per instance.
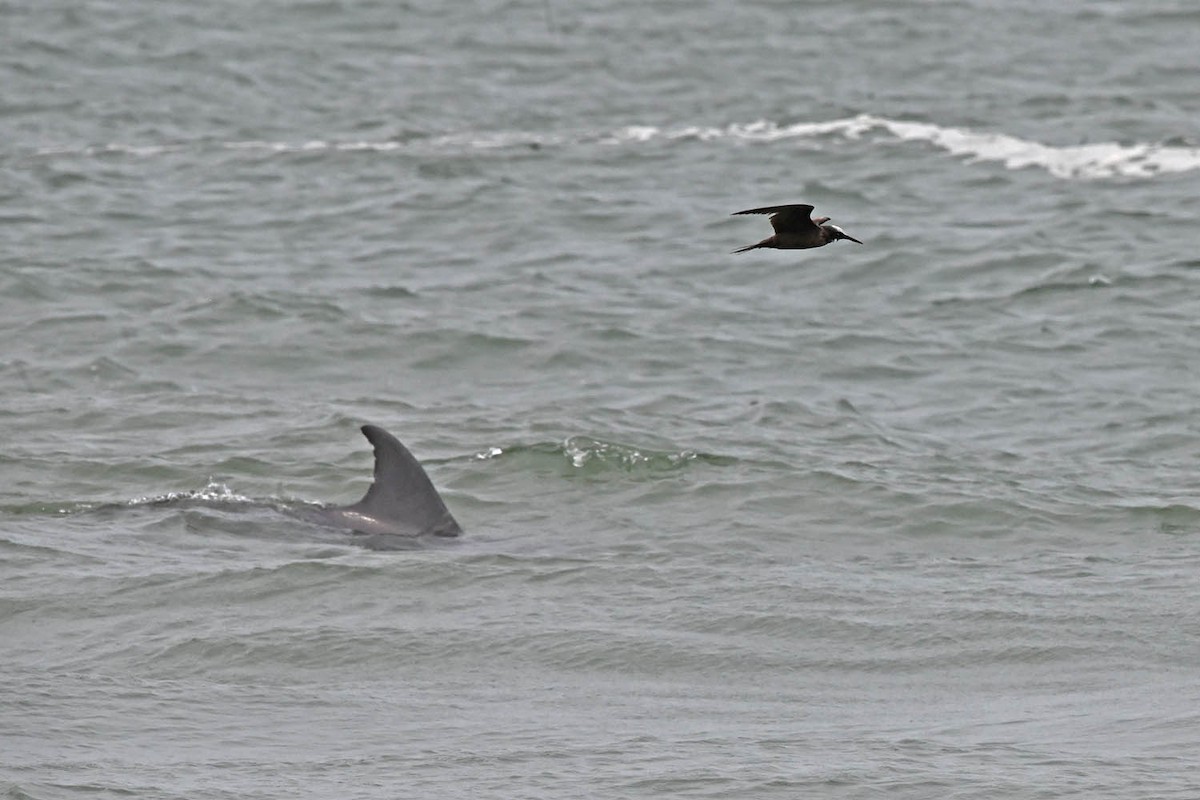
1086	161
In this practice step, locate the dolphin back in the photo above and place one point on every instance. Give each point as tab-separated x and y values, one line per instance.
402	498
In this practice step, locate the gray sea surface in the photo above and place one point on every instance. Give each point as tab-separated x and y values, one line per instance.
918	518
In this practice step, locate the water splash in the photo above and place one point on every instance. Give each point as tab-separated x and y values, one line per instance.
583	451
593	456
212	492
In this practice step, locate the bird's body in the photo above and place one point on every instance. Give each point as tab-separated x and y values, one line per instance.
796	228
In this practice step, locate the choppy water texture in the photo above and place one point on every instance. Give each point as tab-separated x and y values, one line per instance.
913	519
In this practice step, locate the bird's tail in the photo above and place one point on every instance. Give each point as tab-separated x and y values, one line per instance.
748	247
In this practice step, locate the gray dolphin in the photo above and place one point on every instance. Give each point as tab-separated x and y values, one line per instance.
401	501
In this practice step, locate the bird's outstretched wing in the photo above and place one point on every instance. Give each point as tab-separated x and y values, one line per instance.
786	219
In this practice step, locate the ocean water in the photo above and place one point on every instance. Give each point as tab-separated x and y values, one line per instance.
917	518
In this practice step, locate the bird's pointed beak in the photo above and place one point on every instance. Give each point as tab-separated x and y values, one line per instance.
838	233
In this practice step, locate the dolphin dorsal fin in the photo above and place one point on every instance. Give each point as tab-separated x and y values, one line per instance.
402	493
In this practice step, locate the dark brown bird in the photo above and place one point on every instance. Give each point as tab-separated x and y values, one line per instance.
795	228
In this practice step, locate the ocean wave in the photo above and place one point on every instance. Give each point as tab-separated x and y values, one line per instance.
1095	161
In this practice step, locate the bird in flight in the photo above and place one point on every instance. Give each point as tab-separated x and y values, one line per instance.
795	228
